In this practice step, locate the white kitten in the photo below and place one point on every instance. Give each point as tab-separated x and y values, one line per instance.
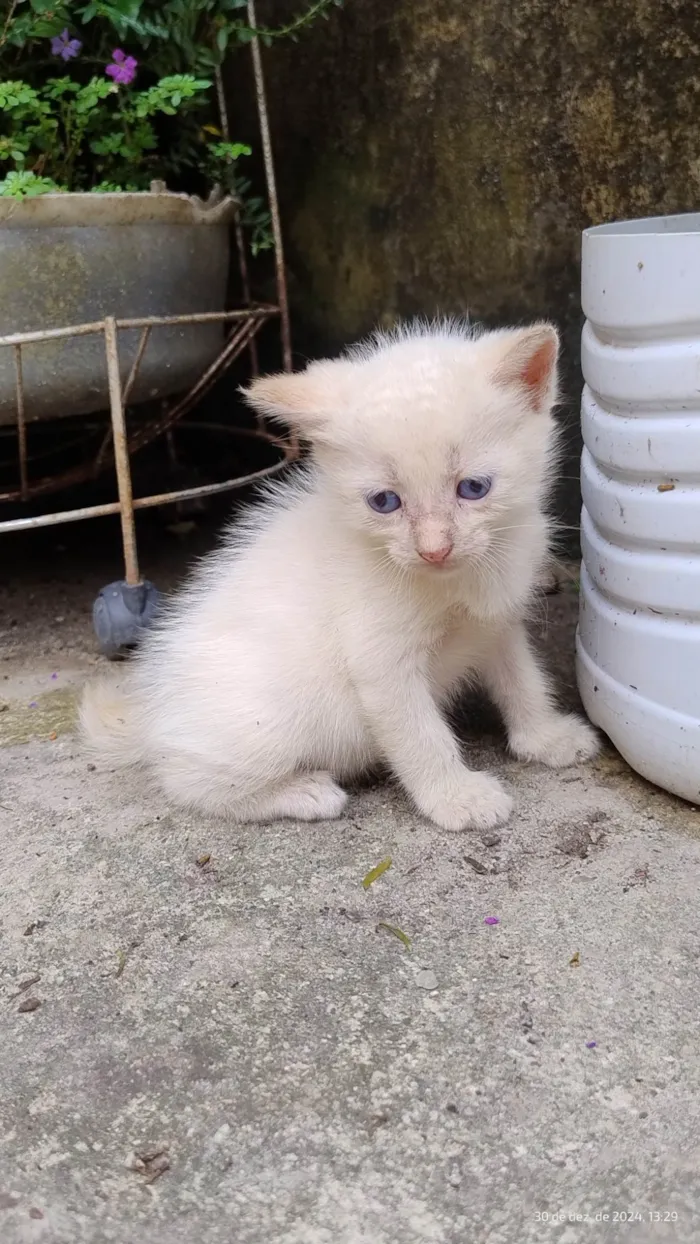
341	616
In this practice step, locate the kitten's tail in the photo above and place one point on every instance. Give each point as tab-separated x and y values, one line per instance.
107	723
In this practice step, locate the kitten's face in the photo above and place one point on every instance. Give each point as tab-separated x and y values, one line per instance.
436	501
437	447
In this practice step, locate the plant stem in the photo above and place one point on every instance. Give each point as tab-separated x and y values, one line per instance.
8	22
297	23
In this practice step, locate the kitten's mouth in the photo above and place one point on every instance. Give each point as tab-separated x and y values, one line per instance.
441	568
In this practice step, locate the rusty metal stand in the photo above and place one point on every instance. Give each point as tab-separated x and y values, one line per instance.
123	608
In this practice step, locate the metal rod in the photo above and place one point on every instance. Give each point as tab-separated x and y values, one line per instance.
121	453
257	311
125	398
282	295
235	344
237	223
21	425
149	431
141	503
143	342
102	452
245	286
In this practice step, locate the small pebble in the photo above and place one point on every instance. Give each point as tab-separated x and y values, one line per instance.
491	840
36	1213
28	1004
477	865
425	979
221	1133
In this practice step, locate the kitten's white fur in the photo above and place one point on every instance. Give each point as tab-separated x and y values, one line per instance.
317	641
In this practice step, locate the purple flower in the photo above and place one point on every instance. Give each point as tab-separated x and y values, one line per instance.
491	920
124	68
64	46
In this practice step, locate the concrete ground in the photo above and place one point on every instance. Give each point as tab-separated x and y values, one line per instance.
212	1033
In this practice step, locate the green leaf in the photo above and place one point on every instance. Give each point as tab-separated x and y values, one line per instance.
230	151
376	872
396	932
26	185
56	87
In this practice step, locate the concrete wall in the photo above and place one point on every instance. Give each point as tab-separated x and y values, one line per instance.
444	155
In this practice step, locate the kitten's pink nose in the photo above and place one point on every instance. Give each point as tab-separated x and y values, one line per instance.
436	556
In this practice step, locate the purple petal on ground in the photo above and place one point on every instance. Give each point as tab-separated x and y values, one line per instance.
491	920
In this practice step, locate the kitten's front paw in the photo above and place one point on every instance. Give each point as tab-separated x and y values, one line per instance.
477	802
564	740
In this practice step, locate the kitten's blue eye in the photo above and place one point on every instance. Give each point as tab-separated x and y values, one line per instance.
384	502
473	489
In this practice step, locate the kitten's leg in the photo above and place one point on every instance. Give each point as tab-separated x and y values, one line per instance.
304	797
536	729
297	796
451	667
419	746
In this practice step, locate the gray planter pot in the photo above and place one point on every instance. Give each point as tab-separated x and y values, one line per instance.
70	259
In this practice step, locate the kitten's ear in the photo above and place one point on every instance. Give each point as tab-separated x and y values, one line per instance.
529	363
305	399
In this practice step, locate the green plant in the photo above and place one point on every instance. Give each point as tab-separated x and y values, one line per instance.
25	185
79	137
118	118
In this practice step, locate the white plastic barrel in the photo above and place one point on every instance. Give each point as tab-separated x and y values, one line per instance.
638	644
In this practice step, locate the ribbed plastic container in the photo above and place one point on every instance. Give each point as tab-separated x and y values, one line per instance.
638	644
